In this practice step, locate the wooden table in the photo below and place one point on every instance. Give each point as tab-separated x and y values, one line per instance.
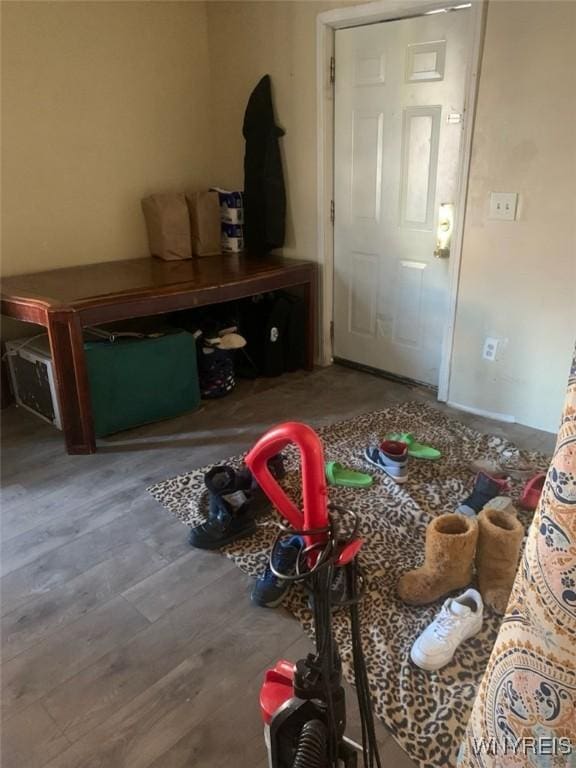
67	300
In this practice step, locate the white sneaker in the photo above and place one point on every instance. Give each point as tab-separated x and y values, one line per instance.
459	619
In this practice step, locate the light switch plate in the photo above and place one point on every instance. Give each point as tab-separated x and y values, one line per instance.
503	206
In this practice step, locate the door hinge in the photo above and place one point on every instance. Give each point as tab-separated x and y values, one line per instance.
332	70
332	332
332	211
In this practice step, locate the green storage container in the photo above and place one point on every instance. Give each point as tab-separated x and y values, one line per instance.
138	381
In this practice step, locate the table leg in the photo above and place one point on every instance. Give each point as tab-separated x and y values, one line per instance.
310	299
67	347
6	396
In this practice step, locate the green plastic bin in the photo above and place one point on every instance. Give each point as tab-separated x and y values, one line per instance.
138	381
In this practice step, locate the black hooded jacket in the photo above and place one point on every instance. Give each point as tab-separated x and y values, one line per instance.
264	193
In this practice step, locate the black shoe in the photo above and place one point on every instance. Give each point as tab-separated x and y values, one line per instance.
224	524
247	480
223	480
486	488
235	501
259	502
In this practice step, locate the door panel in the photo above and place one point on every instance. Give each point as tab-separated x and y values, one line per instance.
366	165
420	134
408	318
396	160
363	280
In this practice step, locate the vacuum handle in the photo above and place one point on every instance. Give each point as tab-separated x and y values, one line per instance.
314	492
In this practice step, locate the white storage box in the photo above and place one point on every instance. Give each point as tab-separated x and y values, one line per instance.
32	377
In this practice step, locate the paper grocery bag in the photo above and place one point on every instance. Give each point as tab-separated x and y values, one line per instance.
168	226
204	210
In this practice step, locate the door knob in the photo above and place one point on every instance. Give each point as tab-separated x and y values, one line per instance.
444	230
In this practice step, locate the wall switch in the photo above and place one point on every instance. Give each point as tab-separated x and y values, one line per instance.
490	348
503	206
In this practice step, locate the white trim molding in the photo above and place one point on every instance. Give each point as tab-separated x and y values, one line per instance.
326	25
507	417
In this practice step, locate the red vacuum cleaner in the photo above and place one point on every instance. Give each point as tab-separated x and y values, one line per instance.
303	704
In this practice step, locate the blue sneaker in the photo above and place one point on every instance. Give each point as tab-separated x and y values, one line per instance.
391	457
268	590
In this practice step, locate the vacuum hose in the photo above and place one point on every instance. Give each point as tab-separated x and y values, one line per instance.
311	751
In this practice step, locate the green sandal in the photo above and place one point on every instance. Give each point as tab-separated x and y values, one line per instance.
337	474
415	450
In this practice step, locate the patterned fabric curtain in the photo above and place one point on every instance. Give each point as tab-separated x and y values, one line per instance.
525	710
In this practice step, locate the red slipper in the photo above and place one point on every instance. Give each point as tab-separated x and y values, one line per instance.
532	490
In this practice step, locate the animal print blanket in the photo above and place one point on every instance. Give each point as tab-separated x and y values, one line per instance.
426	712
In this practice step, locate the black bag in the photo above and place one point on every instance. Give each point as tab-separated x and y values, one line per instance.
274	327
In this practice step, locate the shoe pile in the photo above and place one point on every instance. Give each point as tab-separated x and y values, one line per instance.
481	539
454	544
494	473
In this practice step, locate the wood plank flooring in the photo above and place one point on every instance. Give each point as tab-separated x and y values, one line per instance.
121	646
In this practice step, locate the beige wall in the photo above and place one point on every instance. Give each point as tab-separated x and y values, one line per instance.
518	280
106	102
275	37
103	103
278	38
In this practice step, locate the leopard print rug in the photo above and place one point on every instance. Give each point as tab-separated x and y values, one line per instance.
426	712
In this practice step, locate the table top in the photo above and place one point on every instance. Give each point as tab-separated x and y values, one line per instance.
93	284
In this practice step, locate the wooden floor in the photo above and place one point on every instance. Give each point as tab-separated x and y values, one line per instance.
121	646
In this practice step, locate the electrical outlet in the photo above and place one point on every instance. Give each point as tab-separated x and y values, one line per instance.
490	349
503	206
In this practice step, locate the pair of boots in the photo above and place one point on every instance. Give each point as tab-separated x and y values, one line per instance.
454	542
234	502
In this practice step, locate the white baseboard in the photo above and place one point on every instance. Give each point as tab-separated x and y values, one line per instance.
508	418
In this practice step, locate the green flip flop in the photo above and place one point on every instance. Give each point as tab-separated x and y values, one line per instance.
415	450
337	474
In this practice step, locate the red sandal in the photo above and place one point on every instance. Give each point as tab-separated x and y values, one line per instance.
532	490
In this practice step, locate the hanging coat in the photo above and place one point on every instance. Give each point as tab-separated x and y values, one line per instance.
264	193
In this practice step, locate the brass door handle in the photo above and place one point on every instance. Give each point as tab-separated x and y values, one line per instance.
444	230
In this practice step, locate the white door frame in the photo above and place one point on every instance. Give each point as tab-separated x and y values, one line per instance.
326	25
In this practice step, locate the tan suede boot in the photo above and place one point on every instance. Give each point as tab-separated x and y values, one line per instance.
449	554
500	537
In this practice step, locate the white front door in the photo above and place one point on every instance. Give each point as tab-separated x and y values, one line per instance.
399	117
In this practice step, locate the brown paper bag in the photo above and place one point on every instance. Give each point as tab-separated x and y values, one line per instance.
204	210
168	226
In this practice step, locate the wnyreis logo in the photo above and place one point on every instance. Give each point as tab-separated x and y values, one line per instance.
543	745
